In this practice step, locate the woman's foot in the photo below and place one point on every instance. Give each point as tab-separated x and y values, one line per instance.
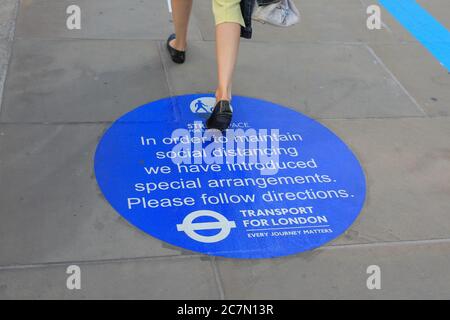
177	56
221	116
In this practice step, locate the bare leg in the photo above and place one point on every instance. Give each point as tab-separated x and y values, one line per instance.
181	11
227	48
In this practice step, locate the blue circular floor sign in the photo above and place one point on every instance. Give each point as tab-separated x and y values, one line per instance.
275	184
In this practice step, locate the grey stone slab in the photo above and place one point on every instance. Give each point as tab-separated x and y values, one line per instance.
420	73
407	165
321	21
100	19
392	31
154	279
408	271
7	18
322	80
81	80
439	9
51	207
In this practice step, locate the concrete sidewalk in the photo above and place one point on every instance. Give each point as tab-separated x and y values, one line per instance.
381	91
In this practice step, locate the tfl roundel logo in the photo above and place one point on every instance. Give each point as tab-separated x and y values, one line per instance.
221	224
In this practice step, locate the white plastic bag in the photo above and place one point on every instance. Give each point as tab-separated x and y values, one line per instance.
282	14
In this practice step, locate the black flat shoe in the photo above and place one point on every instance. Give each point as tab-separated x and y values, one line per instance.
176	55
220	117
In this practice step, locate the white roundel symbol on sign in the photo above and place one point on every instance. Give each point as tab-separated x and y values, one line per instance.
222	224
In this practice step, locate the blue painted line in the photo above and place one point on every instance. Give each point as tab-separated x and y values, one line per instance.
423	26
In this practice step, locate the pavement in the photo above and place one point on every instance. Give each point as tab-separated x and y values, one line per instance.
381	91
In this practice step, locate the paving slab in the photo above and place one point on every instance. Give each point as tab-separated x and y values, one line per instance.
439	9
408	271
51	207
420	73
321	21
407	165
185	278
81	80
321	80
394	30
100	19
